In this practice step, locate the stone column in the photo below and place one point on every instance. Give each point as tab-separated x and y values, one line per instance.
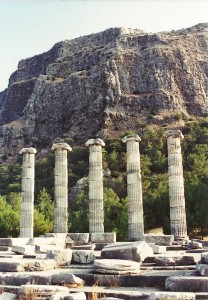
96	214
61	188
134	188
27	195
176	185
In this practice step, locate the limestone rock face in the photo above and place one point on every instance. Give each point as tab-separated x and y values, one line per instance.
105	80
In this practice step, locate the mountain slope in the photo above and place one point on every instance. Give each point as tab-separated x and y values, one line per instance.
104	83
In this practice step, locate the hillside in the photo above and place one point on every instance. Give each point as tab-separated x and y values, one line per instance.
105	83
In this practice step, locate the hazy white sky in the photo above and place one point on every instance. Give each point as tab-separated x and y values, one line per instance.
30	27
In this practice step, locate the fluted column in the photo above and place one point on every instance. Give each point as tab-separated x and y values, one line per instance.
27	195
134	188
176	185
61	188
96	213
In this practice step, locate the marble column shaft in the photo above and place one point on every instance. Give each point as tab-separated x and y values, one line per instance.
96	212
61	187
134	188
178	224
27	194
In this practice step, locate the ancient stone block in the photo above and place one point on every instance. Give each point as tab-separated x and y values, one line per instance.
177	260
105	237
136	251
61	256
78	238
162	240
116	266
68	278
187	284
157	249
83	256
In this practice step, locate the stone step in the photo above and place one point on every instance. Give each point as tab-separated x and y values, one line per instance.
174	259
25	264
187	284
134	294
119	292
144	279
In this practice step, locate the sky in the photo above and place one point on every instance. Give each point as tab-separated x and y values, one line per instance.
30	27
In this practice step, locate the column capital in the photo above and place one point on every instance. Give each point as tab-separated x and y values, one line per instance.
63	146
97	141
28	150
174	134
133	137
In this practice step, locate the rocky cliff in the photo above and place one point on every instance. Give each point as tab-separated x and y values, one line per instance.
103	83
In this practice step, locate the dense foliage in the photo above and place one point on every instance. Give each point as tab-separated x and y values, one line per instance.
154	168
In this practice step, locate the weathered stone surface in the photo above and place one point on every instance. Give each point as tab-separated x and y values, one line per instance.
84	247
116	266
187	284
183	259
171	296
7	296
40	241
194	245
202	269
18	279
157	249
43	291
204	258
83	256
136	251
62	257
162	240
27	249
72	296
68	278
44	248
20	265
78	238
105	237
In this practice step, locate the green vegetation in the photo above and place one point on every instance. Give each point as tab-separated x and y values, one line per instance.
154	168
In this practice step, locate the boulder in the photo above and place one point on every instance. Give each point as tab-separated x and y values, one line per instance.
62	257
116	266
83	256
136	251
